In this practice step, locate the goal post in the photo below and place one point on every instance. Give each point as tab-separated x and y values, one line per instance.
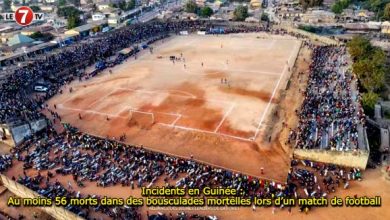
141	118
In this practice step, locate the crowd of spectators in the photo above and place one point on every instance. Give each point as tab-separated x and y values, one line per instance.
5	162
112	164
109	163
331	113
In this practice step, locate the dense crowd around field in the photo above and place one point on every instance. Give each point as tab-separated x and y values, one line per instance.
331	111
112	164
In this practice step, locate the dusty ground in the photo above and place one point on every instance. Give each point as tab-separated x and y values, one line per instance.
212	111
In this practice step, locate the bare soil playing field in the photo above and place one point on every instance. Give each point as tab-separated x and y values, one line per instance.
214	102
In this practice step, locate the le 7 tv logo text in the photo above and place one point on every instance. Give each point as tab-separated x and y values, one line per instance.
23	16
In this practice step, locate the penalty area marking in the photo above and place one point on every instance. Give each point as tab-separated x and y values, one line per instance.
275	89
172	125
224	117
204	131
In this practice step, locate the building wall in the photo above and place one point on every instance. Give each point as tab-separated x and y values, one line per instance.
313	37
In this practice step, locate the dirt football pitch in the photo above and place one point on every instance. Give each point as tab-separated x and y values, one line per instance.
214	101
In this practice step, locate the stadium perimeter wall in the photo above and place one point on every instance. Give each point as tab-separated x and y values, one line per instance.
24	192
356	159
312	36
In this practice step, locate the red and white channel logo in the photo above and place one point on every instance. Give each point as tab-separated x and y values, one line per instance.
23	16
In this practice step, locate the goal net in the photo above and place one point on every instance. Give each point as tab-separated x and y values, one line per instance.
140	119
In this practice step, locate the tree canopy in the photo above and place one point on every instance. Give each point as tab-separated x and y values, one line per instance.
41	36
240	13
73	21
61	3
68	11
206	12
310	3
386	13
359	47
370	68
340	5
369	100
191	6
265	17
126	6
377	6
35	8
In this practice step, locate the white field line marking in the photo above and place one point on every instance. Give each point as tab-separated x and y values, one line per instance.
177	119
274	91
198	66
224	117
204	131
102	98
90	111
66	100
163	124
161	92
226	68
122	110
143	112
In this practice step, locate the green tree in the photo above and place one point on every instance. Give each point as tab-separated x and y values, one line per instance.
240	13
61	3
386	13
264	17
35	8
41	36
131	4
191	6
368	101
6	5
370	77
377	6
310	3
73	21
113	5
122	5
206	12
359	47
340	5
371	69
68	11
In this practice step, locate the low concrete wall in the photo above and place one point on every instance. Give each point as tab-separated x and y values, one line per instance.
24	192
356	159
312	36
20	131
